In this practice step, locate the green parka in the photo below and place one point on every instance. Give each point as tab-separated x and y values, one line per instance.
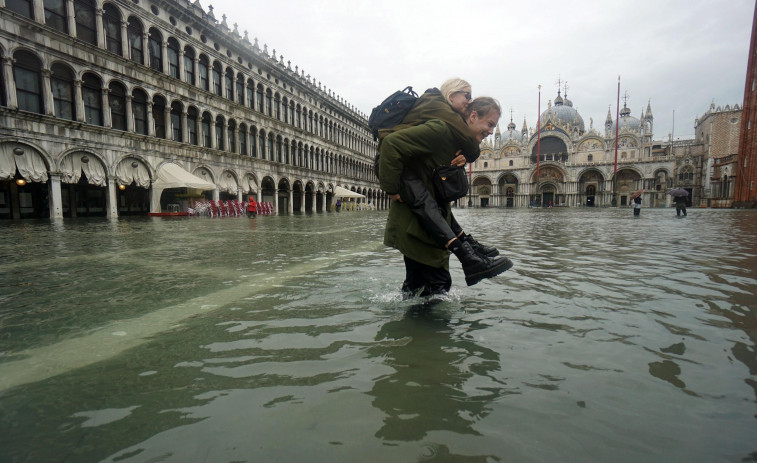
420	148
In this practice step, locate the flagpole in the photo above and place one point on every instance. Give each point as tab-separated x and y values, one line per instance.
615	168
538	136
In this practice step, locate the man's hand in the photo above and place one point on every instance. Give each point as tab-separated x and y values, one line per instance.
459	160
395	197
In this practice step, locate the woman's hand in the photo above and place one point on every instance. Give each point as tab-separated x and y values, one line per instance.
459	160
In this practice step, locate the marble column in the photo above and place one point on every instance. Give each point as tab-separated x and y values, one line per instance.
79	101
107	116
10	83
129	114
47	90
99	28
112	197
56	199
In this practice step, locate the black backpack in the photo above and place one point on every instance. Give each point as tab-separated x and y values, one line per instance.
391	111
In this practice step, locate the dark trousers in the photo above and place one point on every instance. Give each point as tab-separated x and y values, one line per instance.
681	208
636	211
423	280
424	206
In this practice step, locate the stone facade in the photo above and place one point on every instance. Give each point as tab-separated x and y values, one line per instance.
577	165
717	137
578	168
96	96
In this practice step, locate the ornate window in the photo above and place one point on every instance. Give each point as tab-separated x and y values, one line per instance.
134	35
154	44
91	92
117	103
173	58
192	125
216	78
159	116
22	7
55	15
203	67
205	127
243	139
219	133
62	83
139	108
84	12
229	84
261	138
28	78
177	134
250	94
240	89
189	65
231	134
112	25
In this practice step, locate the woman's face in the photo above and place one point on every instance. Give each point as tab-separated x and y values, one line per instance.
482	127
460	100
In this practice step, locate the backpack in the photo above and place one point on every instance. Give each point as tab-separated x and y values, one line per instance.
391	111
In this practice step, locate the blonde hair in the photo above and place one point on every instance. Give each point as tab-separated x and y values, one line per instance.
451	86
483	105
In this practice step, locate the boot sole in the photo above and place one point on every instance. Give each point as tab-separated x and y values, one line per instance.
471	280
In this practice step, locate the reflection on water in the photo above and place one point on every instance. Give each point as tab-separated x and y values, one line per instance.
286	339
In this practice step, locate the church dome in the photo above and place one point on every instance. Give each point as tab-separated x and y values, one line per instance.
628	121
563	116
511	133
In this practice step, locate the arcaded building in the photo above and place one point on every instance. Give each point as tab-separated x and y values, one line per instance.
122	107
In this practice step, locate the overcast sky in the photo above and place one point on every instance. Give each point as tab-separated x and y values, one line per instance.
679	54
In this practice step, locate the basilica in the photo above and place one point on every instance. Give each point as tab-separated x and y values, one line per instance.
565	163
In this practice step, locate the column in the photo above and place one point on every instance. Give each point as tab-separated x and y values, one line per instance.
56	200
125	48
71	18
150	120
10	82
224	135
239	195
184	131
99	28
167	121
112	197
129	114
107	116
39	11
79	101
196	67
236	141
290	202
145	48
181	64
164	56
47	93
216	195
213	135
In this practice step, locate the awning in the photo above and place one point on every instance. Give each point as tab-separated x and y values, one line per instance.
340	192
171	175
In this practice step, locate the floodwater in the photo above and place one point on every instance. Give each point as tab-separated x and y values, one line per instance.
284	338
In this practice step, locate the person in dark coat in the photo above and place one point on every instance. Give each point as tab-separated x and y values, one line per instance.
680	202
448	103
637	206
419	149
